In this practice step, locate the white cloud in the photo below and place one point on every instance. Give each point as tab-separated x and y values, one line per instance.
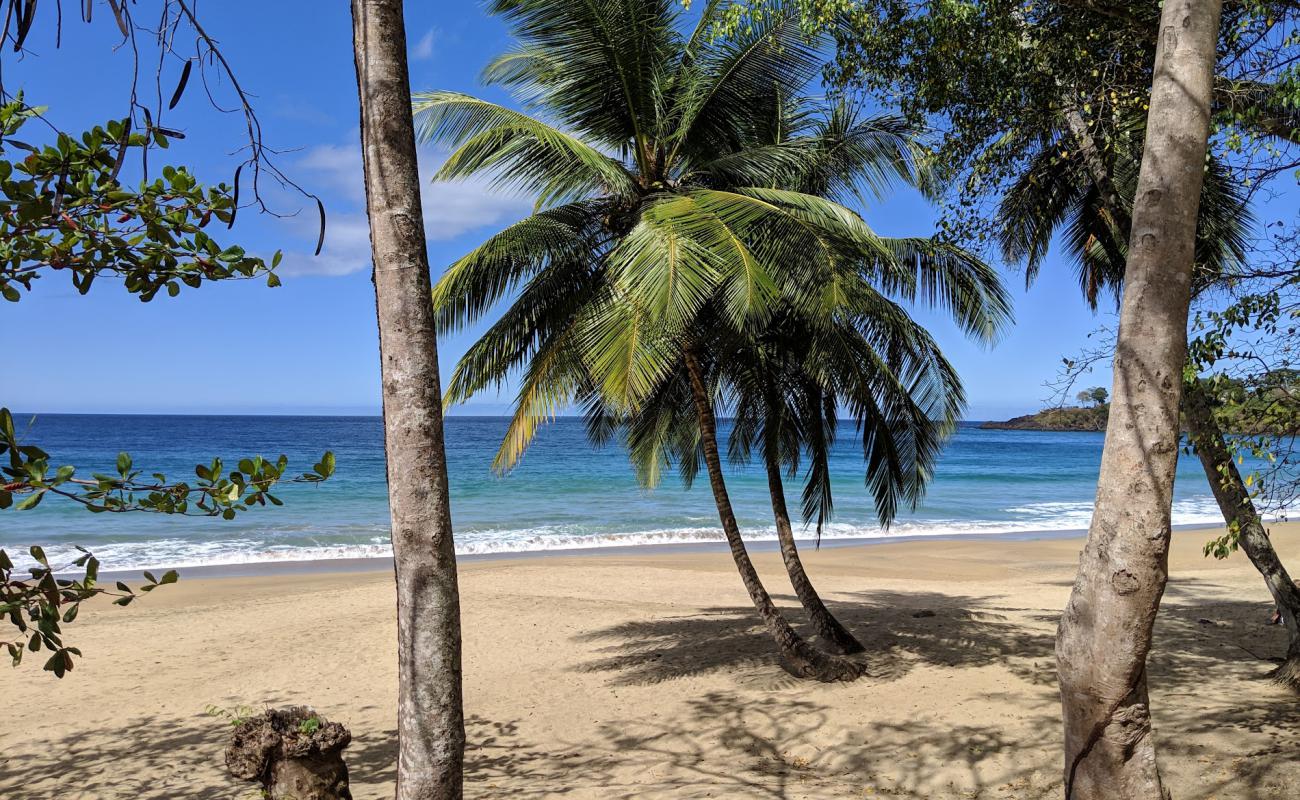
337	167
346	250
450	210
423	49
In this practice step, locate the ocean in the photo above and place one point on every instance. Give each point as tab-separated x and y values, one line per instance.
565	494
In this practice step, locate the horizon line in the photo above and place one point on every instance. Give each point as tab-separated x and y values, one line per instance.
304	414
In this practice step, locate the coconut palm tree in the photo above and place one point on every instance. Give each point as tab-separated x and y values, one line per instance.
785	390
1062	193
664	213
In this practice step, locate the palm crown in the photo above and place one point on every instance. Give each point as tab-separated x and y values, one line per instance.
686	195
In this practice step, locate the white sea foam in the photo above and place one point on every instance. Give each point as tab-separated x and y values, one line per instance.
372	541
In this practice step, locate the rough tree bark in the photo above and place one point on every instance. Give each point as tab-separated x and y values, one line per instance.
802	659
1232	496
1105	632
430	717
831	635
1239	512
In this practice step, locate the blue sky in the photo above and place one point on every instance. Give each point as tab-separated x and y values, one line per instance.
311	345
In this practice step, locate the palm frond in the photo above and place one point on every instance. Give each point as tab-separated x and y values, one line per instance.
471	286
605	62
733	85
518	151
945	276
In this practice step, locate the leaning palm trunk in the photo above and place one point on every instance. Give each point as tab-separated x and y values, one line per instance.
430	721
1105	632
831	634
802	659
1239	512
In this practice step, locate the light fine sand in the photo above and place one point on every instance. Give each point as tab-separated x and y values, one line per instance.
644	675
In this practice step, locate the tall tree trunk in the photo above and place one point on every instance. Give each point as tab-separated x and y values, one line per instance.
1105	632
802	659
430	718
1229	490
832	636
1239	511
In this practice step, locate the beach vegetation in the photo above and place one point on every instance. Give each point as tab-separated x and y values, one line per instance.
785	388
671	170
1021	91
39	599
1081	184
1066	88
1105	633
65	209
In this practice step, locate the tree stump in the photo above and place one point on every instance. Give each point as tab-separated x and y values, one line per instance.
294	753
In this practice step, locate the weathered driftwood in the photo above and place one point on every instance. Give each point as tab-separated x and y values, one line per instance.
293	753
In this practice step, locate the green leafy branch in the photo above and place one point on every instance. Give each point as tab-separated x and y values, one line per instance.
29	477
63	207
37	606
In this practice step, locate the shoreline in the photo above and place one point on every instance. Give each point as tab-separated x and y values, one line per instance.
366	564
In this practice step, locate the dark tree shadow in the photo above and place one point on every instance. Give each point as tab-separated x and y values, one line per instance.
1206	642
498	759
901	630
1223	730
730	746
173	758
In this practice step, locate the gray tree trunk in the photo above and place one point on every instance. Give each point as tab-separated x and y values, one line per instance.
1105	632
802	659
1239	512
430	718
1229	489
831	635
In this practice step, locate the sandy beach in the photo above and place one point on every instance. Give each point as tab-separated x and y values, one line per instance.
644	675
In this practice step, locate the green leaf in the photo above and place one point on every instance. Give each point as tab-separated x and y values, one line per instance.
30	501
325	467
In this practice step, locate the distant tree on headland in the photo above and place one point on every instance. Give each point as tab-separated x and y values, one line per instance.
1095	396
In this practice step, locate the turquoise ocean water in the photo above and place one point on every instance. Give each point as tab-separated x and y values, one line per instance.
565	495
